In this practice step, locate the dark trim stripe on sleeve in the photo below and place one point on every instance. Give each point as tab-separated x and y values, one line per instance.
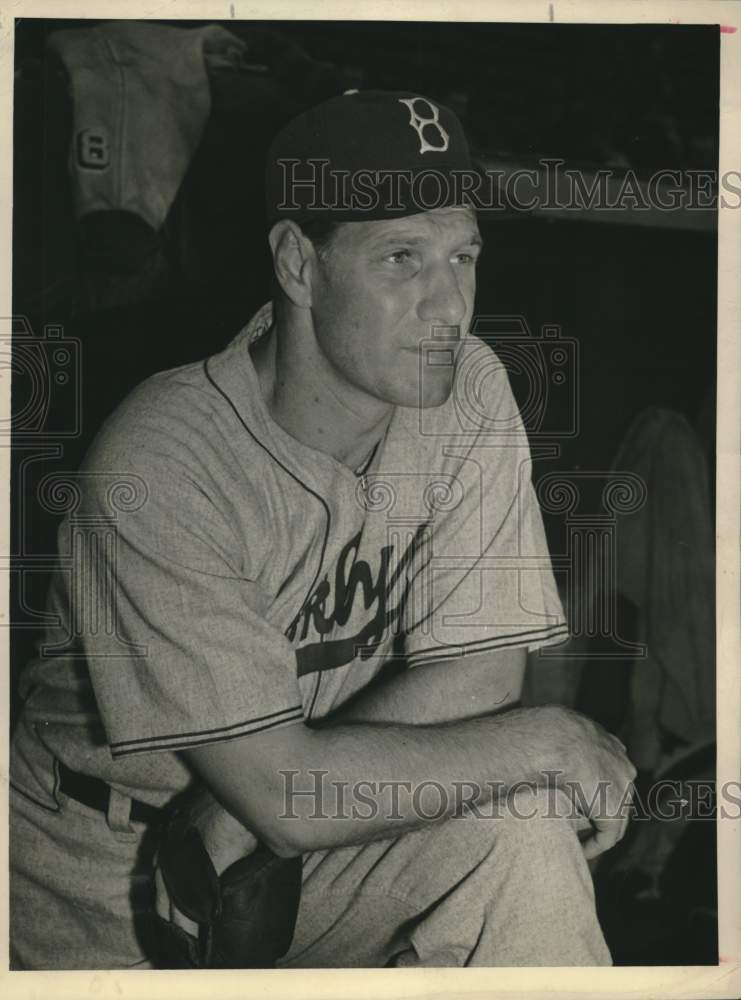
223	731
481	645
185	741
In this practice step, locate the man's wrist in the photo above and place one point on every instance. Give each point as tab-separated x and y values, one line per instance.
527	745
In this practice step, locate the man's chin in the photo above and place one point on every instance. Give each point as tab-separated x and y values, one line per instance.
428	394
430	400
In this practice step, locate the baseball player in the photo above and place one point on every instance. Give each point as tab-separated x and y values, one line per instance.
302	577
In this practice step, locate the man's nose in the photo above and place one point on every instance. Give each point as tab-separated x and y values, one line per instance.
442	303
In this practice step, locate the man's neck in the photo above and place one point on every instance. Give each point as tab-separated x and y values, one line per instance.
303	398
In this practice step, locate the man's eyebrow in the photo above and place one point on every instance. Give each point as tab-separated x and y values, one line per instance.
415	239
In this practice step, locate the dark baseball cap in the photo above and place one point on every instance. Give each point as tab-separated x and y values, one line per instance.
365	155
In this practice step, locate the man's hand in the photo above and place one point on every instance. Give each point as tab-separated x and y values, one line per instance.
242	917
225	840
592	766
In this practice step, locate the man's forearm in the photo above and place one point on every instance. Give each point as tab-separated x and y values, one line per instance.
304	790
446	691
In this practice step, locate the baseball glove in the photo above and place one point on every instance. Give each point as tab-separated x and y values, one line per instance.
245	917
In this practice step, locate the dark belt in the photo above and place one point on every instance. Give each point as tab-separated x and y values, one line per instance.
96	794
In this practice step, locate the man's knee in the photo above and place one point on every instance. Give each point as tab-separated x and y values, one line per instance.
532	814
530	819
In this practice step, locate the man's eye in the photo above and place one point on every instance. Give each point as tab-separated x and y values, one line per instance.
399	256
465	258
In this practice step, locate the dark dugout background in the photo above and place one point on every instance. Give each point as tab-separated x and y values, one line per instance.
636	292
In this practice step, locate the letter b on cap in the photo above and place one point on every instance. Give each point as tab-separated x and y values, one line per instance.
419	123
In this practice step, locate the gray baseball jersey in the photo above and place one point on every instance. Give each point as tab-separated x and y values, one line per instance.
224	579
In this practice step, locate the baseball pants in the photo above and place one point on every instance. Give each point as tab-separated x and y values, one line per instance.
478	891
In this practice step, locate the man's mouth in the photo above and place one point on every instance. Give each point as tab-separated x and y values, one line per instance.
446	334
443	337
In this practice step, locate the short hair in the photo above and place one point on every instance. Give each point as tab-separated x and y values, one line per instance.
320	232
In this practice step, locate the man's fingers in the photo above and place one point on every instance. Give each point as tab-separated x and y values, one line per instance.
628	809
591	848
620	750
606	835
616	743
607	832
226	839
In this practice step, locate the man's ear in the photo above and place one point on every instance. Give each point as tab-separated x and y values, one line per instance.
293	254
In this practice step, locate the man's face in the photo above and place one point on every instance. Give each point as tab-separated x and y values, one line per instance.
383	288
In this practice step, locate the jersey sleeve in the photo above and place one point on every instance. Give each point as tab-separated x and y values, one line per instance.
486	580
178	651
